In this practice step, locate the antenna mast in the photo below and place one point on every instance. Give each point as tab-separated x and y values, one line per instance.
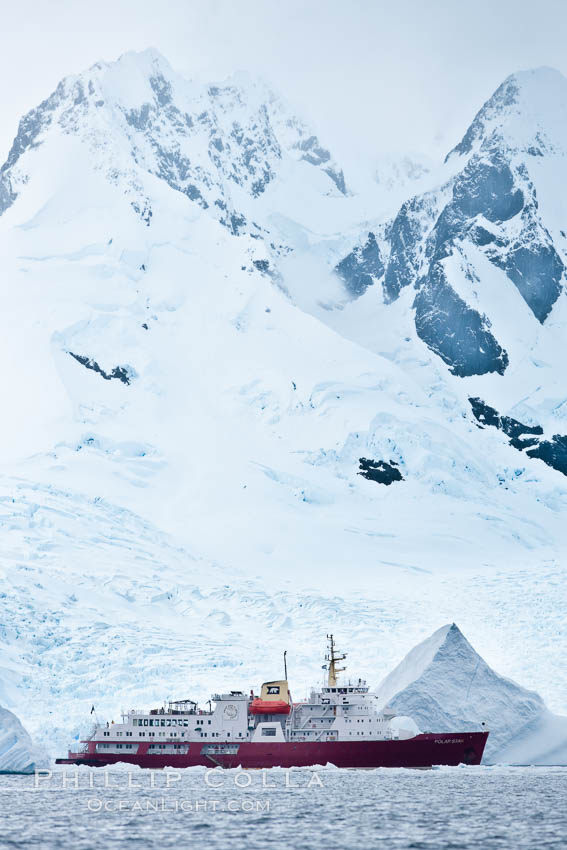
332	659
285	664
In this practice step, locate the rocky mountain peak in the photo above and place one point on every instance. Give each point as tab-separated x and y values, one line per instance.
527	112
497	202
221	145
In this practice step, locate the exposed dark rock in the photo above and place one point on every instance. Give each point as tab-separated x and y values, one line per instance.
7	196
144	211
30	128
316	154
362	267
405	235
537	271
480	236
237	223
553	452
381	471
161	88
32	125
513	429
338	179
454	331
139	118
487	187
194	194
122	373
313	151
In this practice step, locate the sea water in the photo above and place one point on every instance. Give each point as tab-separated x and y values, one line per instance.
320	807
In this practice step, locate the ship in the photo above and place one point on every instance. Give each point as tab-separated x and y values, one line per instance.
341	723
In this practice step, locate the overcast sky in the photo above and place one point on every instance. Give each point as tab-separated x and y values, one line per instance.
372	77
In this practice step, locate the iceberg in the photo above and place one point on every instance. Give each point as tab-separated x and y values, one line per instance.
18	754
444	684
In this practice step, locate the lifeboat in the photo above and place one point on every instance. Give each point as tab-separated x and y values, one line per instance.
274	699
271	706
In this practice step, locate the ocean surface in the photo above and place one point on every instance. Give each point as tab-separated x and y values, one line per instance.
466	807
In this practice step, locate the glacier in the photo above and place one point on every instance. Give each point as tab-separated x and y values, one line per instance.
208	336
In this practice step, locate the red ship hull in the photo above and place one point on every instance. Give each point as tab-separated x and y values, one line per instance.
420	752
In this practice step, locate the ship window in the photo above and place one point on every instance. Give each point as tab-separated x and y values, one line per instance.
269	731
186	722
168	722
209	722
135	722
151	722
145	722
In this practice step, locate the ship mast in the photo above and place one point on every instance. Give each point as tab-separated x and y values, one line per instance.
332	659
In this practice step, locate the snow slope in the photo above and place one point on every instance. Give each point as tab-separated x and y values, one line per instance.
446	686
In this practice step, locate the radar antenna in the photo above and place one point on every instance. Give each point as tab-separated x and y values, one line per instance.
332	658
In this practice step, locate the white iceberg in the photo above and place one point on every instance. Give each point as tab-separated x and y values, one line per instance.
445	685
18	754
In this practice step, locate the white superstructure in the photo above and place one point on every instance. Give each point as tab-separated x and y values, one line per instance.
335	712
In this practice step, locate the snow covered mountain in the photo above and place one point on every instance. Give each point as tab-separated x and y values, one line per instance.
445	685
202	408
499	203
219	145
474	266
